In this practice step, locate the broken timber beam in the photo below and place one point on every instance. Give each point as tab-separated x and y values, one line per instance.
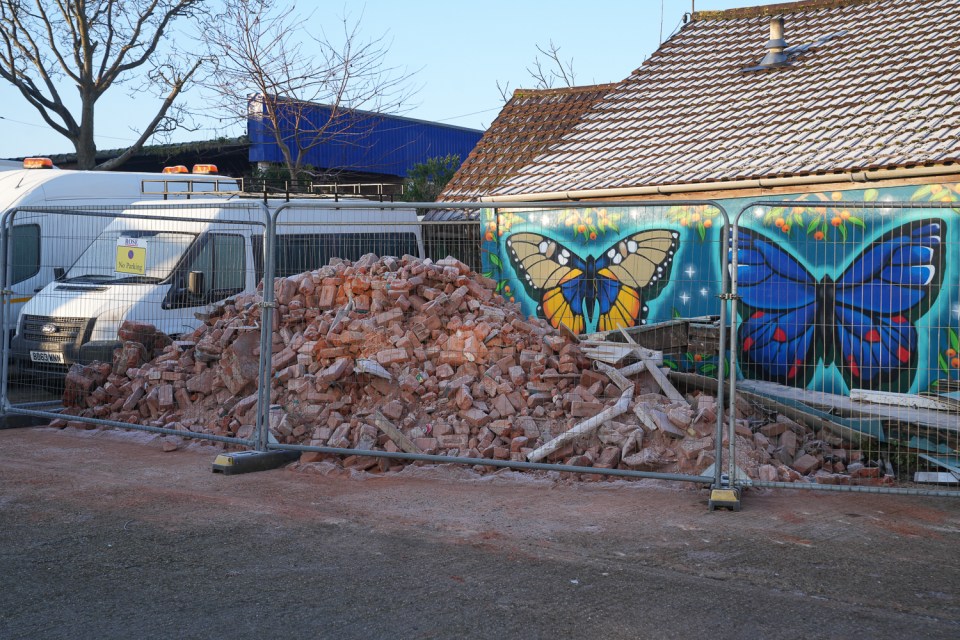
798	415
585	427
399	439
668	389
910	400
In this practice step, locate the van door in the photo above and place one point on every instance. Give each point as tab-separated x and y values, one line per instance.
220	259
24	270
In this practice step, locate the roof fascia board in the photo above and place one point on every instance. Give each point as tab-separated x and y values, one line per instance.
764	183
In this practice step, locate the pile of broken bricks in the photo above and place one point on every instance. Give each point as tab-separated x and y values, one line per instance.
403	354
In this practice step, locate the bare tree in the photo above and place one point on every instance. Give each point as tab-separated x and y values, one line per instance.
270	67
48	45
547	73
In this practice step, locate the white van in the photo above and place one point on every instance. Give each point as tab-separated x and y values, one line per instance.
41	245
164	272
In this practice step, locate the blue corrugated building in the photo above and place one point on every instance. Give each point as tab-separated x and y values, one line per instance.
361	141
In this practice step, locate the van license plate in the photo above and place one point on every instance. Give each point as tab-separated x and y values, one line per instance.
46	356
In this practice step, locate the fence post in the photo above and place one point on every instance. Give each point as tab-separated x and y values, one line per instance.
5	225
722	349
732	418
267	305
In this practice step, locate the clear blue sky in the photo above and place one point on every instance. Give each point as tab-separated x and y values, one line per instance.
459	50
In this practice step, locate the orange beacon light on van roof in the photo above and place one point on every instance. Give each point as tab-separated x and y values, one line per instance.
37	163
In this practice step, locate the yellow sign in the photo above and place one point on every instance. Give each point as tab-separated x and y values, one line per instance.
131	256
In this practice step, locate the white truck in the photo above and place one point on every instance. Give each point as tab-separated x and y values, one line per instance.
42	245
165	271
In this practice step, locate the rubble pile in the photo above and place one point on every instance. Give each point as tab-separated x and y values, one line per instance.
407	354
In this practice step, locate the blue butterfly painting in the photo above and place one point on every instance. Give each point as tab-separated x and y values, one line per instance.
569	288
863	321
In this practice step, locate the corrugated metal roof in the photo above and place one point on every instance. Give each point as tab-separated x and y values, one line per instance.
872	84
362	141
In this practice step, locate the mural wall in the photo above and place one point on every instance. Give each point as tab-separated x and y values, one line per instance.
832	296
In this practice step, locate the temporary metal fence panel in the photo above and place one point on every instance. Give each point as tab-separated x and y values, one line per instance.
377	357
119	326
845	321
845	324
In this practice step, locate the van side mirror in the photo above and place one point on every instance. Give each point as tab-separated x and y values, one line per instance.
58	273
195	283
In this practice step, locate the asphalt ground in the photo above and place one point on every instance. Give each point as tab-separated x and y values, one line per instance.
103	535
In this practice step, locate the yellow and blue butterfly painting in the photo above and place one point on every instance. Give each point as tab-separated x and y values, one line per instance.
614	287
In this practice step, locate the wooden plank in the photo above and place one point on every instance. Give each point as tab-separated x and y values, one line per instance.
606	352
583	428
402	441
668	389
842	405
615	376
949	462
813	418
909	400
614	352
567	332
645	417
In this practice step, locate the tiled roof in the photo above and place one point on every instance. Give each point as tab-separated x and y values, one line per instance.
872	84
528	124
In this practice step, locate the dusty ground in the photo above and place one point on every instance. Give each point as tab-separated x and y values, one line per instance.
104	536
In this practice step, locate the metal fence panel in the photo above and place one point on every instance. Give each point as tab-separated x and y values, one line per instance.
394	358
484	382
113	330
845	324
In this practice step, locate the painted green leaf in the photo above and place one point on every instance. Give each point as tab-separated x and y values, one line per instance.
688	356
857	221
922	192
843	231
500	285
495	261
813	225
870	195
614	227
708	369
671	363
798	218
488	274
676	313
702	231
602	227
954	340
943	364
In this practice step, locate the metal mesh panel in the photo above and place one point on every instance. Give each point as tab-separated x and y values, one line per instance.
412	352
846	339
110	328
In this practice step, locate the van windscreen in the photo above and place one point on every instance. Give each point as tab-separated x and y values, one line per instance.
132	256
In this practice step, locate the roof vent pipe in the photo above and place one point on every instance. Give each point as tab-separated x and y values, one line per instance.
775	56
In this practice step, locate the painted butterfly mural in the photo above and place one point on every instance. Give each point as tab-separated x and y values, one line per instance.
569	289
863	321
